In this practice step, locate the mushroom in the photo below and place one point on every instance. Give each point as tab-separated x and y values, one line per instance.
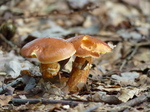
49	51
87	47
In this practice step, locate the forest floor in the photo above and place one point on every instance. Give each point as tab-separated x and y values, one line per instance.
118	81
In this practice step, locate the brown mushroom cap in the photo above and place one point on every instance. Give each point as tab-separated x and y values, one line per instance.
89	46
48	50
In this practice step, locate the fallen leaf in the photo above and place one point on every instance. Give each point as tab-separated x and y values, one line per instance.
78	108
126	78
133	36
142	55
110	89
143	80
12	64
50	89
22	96
126	94
95	73
5	99
141	67
51	107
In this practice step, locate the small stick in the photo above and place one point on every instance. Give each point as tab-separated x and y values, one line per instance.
129	57
44	101
15	82
5	40
142	44
131	103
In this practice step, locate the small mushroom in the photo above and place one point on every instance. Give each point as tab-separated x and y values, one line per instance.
49	51
87	47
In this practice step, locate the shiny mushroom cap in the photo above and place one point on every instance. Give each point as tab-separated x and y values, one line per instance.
48	50
89	46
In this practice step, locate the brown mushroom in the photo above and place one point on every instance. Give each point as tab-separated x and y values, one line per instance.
86	47
49	51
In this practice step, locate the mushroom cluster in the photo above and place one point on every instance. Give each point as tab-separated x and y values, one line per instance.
50	51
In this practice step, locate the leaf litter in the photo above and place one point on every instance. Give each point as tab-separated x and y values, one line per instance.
118	81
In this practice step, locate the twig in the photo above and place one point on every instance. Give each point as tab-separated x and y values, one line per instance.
44	101
137	45
131	103
15	82
92	108
129	57
142	44
5	40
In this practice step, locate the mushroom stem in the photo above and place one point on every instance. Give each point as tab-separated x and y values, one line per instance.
49	70
79	73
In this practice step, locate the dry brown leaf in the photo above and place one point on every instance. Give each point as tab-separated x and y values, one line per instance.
51	107
95	73
143	55
126	78
126	94
2	77
77	97
143	80
78	108
109	88
5	99
50	90
142	67
115	55
13	64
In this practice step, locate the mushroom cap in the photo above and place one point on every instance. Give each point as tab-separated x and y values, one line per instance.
89	46
48	50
